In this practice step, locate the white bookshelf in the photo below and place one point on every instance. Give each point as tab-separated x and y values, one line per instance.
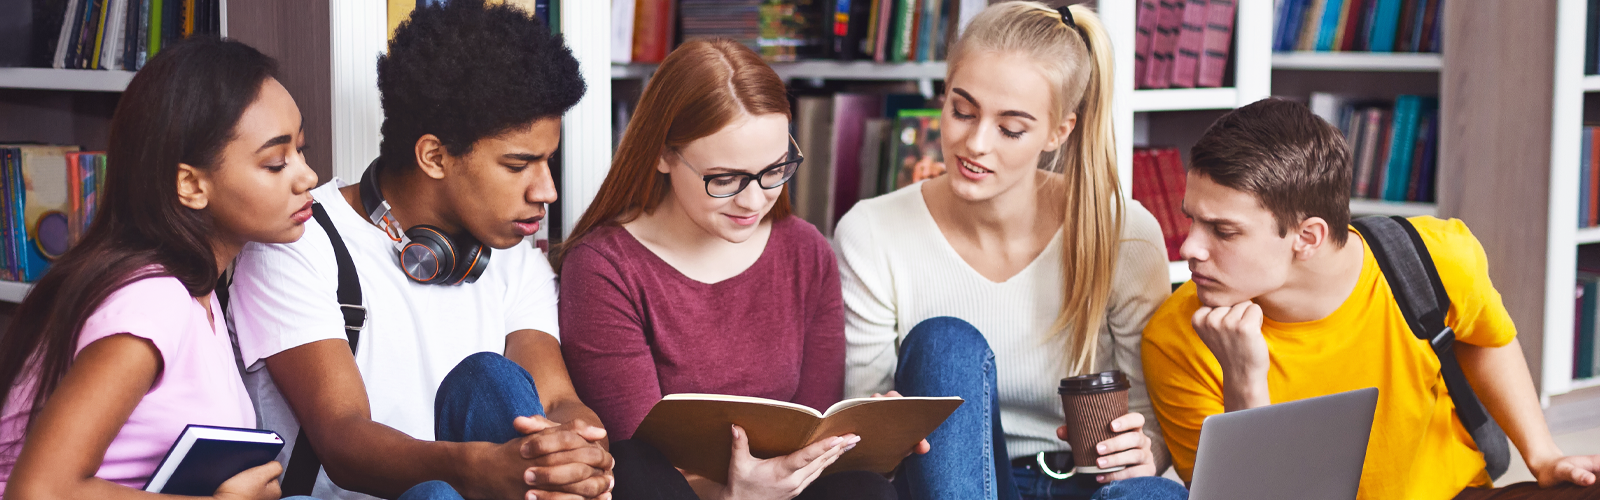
87	80
1146	101
1359	207
11	291
1562	232
821	70
1587	235
1356	61
1591	83
1178	271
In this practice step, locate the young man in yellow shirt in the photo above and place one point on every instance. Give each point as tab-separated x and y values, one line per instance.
1287	303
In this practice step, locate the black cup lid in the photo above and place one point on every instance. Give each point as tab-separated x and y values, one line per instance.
1109	381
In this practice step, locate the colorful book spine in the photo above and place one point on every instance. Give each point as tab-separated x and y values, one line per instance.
1313	22
1385	19
1408	109
1583	362
1168	25
1592	134
906	31
1329	26
1585	172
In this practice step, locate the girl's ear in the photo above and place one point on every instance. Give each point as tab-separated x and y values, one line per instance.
661	162
193	187
1062	132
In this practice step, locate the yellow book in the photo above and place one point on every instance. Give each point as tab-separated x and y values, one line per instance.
99	34
1344	17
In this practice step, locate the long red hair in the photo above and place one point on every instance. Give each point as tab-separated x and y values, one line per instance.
701	87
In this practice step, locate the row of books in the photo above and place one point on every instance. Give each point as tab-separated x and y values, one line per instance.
47	198
1394	144
860	145
1158	184
1588	180
102	34
1585	350
1358	25
1182	43
644	31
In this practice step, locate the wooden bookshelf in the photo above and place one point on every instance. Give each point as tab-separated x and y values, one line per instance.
1356	61
86	80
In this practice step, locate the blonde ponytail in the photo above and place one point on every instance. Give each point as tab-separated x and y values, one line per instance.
1077	59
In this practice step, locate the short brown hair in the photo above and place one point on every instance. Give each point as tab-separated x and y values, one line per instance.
1296	164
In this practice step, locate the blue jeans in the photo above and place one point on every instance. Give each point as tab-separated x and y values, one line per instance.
949	357
477	401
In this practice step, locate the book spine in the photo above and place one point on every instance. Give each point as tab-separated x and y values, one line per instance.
1144	32
157	15
1370	129
1313	22
1148	191
886	14
1331	12
1402	34
1584	364
1168	26
1384	21
1404	130
1591	65
1593	134
84	51
1585	171
7	157
1191	40
905	33
16	236
1173	185
1218	44
1344	22
99	34
64	39
1352	28
1430	158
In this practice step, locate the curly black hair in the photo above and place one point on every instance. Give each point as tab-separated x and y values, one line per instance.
464	71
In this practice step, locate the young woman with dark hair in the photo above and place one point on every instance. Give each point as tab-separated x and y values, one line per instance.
121	344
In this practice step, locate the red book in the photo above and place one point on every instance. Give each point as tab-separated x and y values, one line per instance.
1147	191
1170	164
1218	43
1354	19
850	115
652	30
1143	39
1594	180
1165	41
880	51
1191	40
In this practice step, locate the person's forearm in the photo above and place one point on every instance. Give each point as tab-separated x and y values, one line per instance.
1245	391
1500	377
375	459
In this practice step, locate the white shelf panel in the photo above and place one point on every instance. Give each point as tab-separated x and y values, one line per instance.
1591	83
1184	99
1588	235
1585	383
1356	61
827	70
1360	207
11	291
1179	271
65	79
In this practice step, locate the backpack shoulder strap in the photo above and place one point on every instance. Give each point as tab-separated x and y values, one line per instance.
301	473
1423	301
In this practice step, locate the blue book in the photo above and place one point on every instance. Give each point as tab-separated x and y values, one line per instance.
1407	109
1294	17
205	456
1330	24
1385	20
1584	174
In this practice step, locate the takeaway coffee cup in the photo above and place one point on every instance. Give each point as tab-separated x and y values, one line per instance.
1091	402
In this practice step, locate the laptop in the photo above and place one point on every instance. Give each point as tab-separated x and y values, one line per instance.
1310	449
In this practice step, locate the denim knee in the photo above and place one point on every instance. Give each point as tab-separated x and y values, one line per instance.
942	339
480	397
1142	488
431	490
484	370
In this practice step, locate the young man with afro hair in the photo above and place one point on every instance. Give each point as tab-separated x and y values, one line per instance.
451	359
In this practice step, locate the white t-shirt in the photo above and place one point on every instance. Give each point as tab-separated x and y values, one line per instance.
283	296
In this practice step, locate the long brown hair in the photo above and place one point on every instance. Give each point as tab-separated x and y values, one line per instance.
1079	66
181	108
701	87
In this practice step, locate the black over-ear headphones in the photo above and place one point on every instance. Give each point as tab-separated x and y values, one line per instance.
427	254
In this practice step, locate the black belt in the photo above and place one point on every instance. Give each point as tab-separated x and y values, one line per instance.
1059	461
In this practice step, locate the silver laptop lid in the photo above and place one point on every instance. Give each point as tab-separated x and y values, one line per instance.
1310	449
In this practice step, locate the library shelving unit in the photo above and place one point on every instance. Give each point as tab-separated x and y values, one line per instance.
1513	105
1179	116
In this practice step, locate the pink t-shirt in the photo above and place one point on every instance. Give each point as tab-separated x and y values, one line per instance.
199	383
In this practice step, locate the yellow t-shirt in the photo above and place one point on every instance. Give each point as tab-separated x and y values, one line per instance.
1418	448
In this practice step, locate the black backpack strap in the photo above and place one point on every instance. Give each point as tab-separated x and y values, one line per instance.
301	473
1414	280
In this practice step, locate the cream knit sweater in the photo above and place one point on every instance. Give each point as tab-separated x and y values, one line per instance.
898	270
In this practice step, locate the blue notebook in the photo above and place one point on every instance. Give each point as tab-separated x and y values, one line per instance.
204	457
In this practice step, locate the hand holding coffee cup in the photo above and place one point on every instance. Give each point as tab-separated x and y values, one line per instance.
1106	438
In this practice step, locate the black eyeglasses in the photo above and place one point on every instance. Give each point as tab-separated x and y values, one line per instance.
772	177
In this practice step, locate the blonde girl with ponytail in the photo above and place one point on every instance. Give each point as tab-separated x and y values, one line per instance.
1022	265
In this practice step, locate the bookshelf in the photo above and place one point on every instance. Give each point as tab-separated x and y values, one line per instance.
1356	61
82	80
821	70
1360	206
1515	105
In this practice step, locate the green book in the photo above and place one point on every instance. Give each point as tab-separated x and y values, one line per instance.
155	27
905	33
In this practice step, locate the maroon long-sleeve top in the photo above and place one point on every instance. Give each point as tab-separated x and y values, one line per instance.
634	329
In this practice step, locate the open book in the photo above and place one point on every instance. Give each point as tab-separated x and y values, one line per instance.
204	457
694	430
